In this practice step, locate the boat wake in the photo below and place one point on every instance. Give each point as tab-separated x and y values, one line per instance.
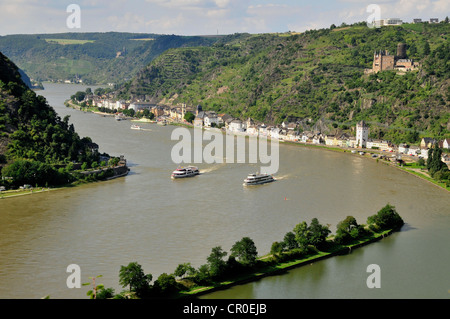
281	177
211	169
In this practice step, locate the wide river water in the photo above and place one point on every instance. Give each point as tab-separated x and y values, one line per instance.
148	218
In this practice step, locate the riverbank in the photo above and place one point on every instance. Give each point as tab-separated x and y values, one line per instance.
118	172
419	173
274	269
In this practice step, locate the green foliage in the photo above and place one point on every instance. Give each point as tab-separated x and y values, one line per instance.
165	284
315	234
39	143
245	251
133	276
189	117
436	167
246	263
318	74
92	56
386	218
215	262
348	230
35	173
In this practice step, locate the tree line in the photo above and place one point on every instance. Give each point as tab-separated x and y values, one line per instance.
303	241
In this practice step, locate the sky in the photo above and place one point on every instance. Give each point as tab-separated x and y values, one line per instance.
202	17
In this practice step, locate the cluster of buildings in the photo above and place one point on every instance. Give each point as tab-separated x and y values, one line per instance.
398	21
383	60
284	132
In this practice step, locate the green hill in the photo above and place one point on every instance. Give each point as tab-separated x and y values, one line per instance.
36	145
317	75
95	58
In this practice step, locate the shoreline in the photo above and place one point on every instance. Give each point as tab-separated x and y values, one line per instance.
420	175
40	190
279	268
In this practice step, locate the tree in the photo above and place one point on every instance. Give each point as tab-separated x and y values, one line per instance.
134	277
317	233
289	241
276	249
426	48
183	269
386	218
301	234
216	262
245	251
166	284
344	228
189	117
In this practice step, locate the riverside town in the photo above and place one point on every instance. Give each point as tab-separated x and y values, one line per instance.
217	157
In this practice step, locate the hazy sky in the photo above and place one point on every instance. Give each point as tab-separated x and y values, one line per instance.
201	17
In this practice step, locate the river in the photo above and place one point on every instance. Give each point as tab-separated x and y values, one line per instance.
148	218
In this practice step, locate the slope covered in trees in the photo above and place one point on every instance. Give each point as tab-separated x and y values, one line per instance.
35	143
319	74
96	58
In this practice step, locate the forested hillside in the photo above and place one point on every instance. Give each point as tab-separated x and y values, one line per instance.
34	141
95	58
317	75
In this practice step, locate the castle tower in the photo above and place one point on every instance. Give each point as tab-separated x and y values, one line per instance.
401	51
362	134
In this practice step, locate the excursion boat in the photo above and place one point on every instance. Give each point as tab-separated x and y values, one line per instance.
163	123
257	179
135	127
182	172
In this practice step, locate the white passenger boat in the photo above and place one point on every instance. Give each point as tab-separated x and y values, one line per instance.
182	172
163	123
135	127
257	179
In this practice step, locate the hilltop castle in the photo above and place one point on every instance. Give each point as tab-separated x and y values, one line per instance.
382	60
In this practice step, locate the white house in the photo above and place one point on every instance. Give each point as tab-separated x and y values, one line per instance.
210	118
263	130
403	148
275	132
139	106
253	130
236	126
317	139
414	150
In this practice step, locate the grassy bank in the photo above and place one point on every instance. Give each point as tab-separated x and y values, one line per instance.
269	266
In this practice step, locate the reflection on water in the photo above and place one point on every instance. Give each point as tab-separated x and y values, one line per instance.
160	223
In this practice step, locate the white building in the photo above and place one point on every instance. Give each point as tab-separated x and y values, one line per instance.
236	126
210	118
139	106
362	134
446	143
403	148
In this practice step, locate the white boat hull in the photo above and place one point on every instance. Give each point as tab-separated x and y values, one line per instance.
258	179
185	172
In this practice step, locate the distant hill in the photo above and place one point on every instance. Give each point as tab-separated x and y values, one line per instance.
318	75
95	58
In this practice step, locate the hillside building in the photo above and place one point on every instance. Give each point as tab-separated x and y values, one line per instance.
382	60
